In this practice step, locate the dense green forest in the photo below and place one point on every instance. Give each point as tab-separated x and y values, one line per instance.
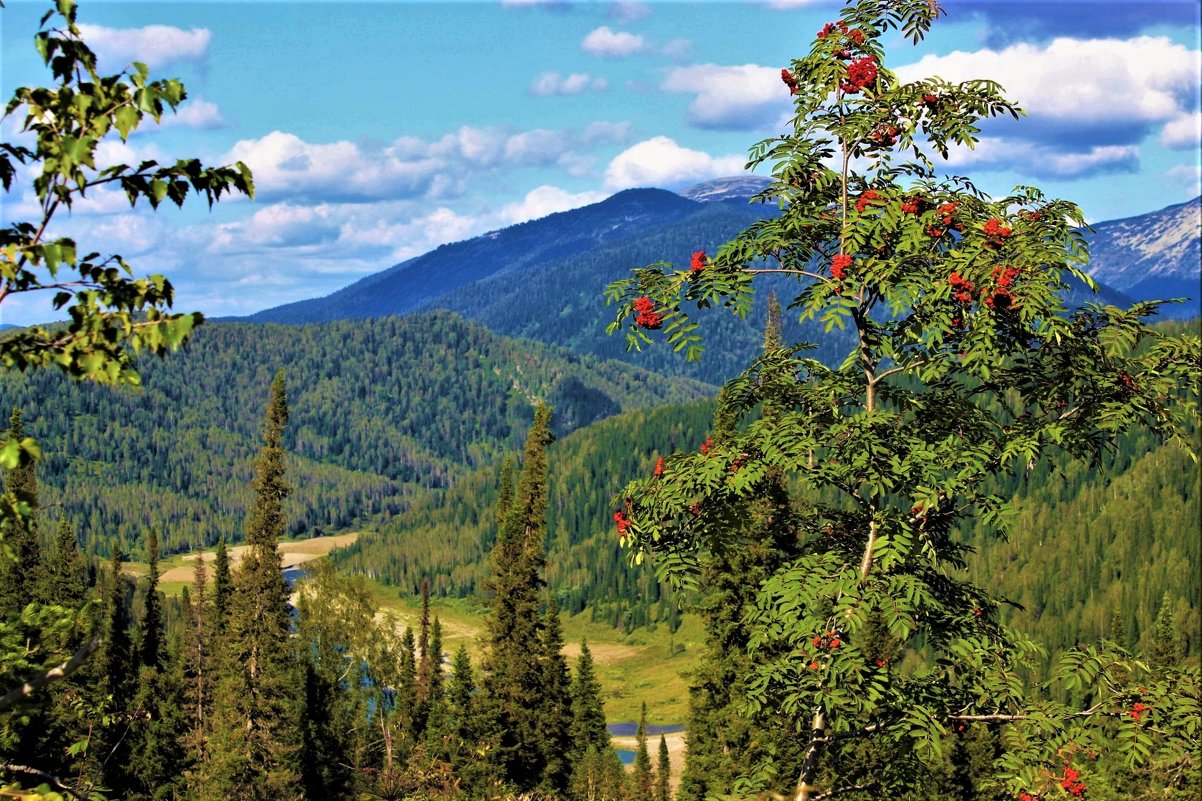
382	408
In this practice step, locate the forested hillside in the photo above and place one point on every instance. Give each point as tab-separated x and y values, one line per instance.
1084	543
381	407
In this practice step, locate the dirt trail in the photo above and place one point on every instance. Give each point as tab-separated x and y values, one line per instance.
292	554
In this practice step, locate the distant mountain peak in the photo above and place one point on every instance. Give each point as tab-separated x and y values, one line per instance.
735	187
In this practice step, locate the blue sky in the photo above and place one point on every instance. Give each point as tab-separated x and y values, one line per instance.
379	130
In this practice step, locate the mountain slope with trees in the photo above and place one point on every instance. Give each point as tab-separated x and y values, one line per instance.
380	408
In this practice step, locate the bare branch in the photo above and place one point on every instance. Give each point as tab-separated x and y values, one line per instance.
19	694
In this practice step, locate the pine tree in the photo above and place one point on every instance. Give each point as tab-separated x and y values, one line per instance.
663	773
256	728
642	784
512	684
18	573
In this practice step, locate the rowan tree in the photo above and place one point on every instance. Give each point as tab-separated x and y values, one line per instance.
967	364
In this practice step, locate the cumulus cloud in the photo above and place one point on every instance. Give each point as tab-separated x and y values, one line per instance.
1184	132
546	200
194	113
729	97
677	49
1045	161
1097	91
1187	175
661	162
608	43
552	83
156	45
606	132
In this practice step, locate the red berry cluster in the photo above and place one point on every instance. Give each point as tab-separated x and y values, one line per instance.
996	233
931	102
947	218
647	316
830	28
659	467
839	265
1139	709
867	197
1128	383
698	262
860	74
790	81
1071	784
705	446
1003	278
829	640
623	522
961	288
912	205
884	135
1028	797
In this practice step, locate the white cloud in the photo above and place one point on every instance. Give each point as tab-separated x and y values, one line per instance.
607	43
734	97
546	200
155	45
194	113
661	162
1105	90
1188	175
1183	132
552	83
1049	161
606	132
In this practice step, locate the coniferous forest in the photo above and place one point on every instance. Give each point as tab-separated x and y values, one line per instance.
951	552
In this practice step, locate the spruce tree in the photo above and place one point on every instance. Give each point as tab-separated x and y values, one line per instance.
663	773
512	683
64	580
425	666
18	573
1167	647
256	728
151	630
196	657
222	587
642	784
118	667
588	712
721	741
555	705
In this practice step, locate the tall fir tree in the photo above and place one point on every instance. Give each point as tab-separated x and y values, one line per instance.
118	667
721	741
425	666
222	587
512	682
64	576
151	630
555	705
197	644
642	784
1166	647
18	573
255	740
588	711
663	772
